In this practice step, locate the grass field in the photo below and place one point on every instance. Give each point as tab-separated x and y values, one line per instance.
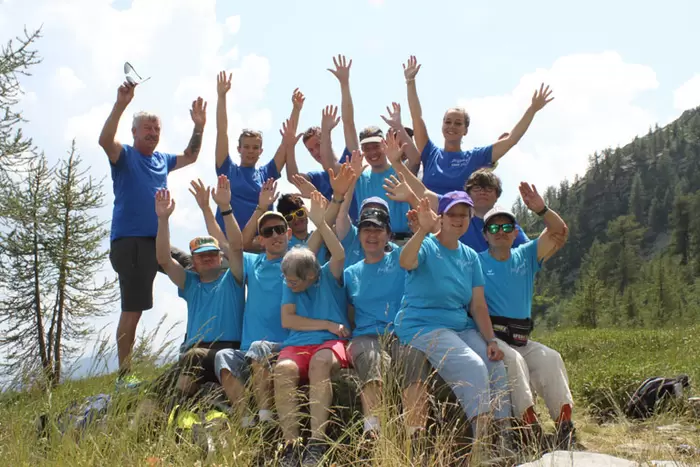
602	364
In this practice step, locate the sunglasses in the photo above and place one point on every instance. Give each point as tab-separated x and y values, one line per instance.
494	228
298	214
268	232
128	70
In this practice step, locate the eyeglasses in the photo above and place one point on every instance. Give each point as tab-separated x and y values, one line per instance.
268	232
299	213
479	189
494	228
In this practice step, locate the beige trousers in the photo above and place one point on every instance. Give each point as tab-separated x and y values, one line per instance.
536	369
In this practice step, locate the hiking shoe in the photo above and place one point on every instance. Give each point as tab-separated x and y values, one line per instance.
313	455
566	436
127	382
289	457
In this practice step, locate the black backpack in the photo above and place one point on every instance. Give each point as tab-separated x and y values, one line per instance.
654	391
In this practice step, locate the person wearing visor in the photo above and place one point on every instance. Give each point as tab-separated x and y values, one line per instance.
214	302
509	274
375	287
444	304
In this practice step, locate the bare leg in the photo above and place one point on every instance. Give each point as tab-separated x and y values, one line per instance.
286	398
187	385
126	335
371	396
321	390
263	386
235	391
415	402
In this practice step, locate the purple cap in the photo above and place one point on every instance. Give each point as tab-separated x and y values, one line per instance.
374	200
453	197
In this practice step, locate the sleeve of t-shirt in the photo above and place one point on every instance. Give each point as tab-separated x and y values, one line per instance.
530	251
430	152
482	156
189	282
349	237
269	170
225	167
170	160
248	260
521	239
328	276
346	155
288	297
347	280
477	273
121	162
316	178
425	250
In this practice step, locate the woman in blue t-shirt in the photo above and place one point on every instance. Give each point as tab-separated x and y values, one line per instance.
444	289
448	168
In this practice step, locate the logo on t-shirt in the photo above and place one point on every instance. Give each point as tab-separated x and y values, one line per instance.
519	269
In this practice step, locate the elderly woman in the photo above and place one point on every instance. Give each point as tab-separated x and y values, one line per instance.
444	289
314	309
447	168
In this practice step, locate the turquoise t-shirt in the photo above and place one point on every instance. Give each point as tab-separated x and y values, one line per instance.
262	319
439	291
353	248
510	284
214	309
371	184
325	299
322	254
375	290
448	171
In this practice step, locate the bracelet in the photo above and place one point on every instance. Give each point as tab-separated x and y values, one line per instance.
340	201
227	212
543	211
258	208
493	339
410	80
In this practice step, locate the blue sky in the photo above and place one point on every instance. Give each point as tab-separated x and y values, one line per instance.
616	69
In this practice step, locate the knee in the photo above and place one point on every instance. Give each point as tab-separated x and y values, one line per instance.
321	364
286	372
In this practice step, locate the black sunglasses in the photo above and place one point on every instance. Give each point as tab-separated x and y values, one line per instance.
268	232
494	228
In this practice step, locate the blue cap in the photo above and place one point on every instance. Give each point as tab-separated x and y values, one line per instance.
375	200
452	198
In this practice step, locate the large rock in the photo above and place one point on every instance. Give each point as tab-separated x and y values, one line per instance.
593	459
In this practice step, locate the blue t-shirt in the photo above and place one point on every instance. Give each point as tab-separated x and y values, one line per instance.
214	309
474	236
322	181
375	290
322	254
262	319
246	183
353	247
371	184
448	171
136	179
511	283
439	291
325	299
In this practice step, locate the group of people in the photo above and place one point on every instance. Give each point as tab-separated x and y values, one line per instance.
412	267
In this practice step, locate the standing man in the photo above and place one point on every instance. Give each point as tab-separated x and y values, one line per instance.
138	172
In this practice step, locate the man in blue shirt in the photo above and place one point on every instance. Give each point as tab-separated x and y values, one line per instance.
509	274
138	171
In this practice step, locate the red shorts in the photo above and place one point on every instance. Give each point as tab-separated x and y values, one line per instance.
301	355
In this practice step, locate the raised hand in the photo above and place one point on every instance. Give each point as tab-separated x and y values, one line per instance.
329	117
199	112
413	224
125	93
342	69
298	99
392	148
165	205
411	68
268	193
397	189
304	186
342	182
222	193
319	203
426	216
338	329
223	84
289	138
357	162
541	98
532	199
394	119
200	193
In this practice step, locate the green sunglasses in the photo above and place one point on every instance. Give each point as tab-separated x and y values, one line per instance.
494	228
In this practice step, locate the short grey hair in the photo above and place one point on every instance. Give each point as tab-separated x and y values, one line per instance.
140	116
301	262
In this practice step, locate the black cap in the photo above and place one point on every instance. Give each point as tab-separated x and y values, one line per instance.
374	217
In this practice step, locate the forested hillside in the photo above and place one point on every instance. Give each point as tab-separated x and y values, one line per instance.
633	256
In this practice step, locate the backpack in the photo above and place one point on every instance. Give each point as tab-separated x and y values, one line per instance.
652	392
78	416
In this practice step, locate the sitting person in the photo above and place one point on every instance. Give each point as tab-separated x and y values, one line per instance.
314	309
444	287
291	206
214	302
509	274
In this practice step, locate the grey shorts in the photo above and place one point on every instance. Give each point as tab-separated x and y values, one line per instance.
374	357
238	362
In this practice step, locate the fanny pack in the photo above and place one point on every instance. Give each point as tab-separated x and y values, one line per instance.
511	330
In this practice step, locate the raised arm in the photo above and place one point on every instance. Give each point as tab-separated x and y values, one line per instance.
343	221
201	195
289	143
555	234
223	84
268	195
420	132
539	100
198	112
108	135
329	120
317	216
165	206
347	110
289	126
408	259
341	184
410	149
222	197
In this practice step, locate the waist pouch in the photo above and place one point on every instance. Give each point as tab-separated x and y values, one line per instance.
511	330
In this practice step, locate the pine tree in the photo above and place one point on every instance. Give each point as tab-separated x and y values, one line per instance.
589	301
636	204
680	223
623	251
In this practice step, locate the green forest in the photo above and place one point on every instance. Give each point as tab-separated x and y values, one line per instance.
633	254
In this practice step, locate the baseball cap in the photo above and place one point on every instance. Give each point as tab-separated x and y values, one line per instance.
269	214
498	211
371	134
375	217
375	200
202	244
453	198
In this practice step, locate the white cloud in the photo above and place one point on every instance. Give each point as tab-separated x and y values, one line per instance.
233	24
67	81
687	95
594	107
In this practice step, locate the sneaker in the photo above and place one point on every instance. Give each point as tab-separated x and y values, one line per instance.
289	457
127	382
566	436
313	455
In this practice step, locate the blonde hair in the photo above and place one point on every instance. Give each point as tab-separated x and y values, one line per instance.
249	134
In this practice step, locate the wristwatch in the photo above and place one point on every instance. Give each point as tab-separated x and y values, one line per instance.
337	201
493	339
543	211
